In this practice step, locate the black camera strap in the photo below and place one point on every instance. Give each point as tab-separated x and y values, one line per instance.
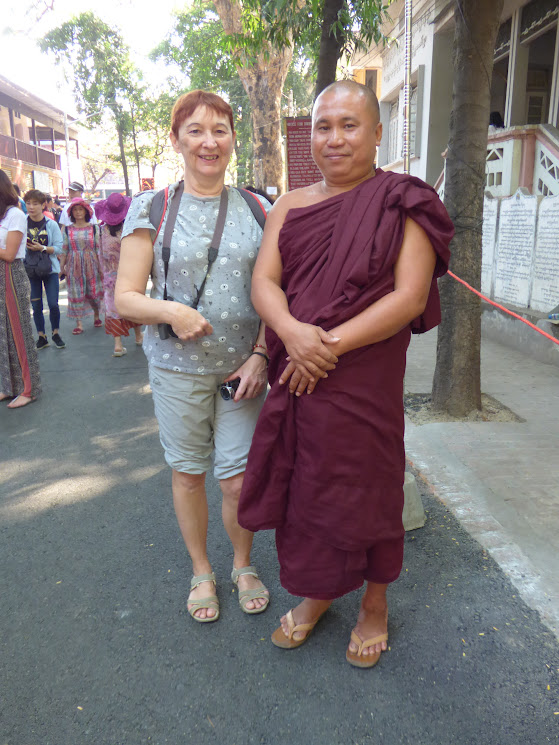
213	249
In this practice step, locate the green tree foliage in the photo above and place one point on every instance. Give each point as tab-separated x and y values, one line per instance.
152	121
329	28
97	61
196	49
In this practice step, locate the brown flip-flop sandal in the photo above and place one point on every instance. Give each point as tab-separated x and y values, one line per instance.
288	642
357	659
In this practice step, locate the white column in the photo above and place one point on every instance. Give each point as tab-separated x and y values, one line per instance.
515	105
554	100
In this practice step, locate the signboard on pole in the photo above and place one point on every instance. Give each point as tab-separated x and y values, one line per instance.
301	168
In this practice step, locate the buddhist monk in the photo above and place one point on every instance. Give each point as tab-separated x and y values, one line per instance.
346	271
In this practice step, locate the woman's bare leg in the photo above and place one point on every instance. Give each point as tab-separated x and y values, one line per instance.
191	509
240	538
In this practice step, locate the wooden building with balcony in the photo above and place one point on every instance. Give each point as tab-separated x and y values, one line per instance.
33	140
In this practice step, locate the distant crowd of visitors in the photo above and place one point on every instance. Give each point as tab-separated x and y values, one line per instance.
41	244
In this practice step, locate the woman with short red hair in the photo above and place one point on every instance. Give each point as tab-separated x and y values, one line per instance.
204	342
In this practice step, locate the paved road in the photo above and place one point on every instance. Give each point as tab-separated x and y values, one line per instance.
97	647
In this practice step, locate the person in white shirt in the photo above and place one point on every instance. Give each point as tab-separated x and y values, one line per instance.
20	381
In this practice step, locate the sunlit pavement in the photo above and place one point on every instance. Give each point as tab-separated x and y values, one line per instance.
97	646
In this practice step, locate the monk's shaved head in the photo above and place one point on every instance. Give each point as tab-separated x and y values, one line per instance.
357	89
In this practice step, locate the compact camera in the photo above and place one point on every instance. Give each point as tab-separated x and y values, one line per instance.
165	329
229	389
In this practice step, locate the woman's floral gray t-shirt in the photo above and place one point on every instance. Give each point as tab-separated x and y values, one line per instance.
225	302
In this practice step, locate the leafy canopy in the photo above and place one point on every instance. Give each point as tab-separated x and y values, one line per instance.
300	23
97	62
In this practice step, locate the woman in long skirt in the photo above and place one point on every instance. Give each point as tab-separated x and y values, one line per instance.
80	263
19	364
111	213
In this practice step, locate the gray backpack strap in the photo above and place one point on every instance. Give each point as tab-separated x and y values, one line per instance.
168	234
255	205
158	209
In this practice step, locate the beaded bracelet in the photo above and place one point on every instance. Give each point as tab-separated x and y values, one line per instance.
261	354
261	347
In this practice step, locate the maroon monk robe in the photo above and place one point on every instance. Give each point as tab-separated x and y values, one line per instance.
330	465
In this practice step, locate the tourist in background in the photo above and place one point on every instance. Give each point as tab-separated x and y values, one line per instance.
80	264
19	366
111	213
75	191
44	235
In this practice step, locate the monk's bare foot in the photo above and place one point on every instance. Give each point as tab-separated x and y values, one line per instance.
20	401
372	621
309	611
5	396
204	590
250	582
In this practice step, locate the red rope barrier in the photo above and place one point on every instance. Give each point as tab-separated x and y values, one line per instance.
514	315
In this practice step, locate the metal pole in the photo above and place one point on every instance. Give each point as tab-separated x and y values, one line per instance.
67	138
407	84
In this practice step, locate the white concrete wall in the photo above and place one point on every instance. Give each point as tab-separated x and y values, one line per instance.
432	71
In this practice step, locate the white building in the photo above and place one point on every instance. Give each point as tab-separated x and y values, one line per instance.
524	92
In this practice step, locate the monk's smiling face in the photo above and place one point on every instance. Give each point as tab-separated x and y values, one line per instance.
345	134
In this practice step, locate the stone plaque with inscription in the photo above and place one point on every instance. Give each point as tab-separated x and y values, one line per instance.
515	248
489	231
545	282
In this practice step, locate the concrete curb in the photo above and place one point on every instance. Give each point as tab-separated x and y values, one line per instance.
457	487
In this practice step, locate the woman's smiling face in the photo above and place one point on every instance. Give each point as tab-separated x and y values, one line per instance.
205	141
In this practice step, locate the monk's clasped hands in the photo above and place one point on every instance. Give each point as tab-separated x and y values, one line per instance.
309	357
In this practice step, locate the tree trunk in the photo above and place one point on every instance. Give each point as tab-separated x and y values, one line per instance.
263	80
96	179
331	46
136	154
456	385
123	157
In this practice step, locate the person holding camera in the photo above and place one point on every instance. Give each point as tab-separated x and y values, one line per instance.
204	341
44	236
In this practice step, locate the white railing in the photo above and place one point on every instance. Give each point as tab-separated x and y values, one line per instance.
505	156
500	177
546	171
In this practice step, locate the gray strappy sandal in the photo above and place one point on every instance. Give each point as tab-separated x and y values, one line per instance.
210	601
246	595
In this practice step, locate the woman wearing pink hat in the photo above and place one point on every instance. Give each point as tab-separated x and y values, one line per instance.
80	263
111	212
